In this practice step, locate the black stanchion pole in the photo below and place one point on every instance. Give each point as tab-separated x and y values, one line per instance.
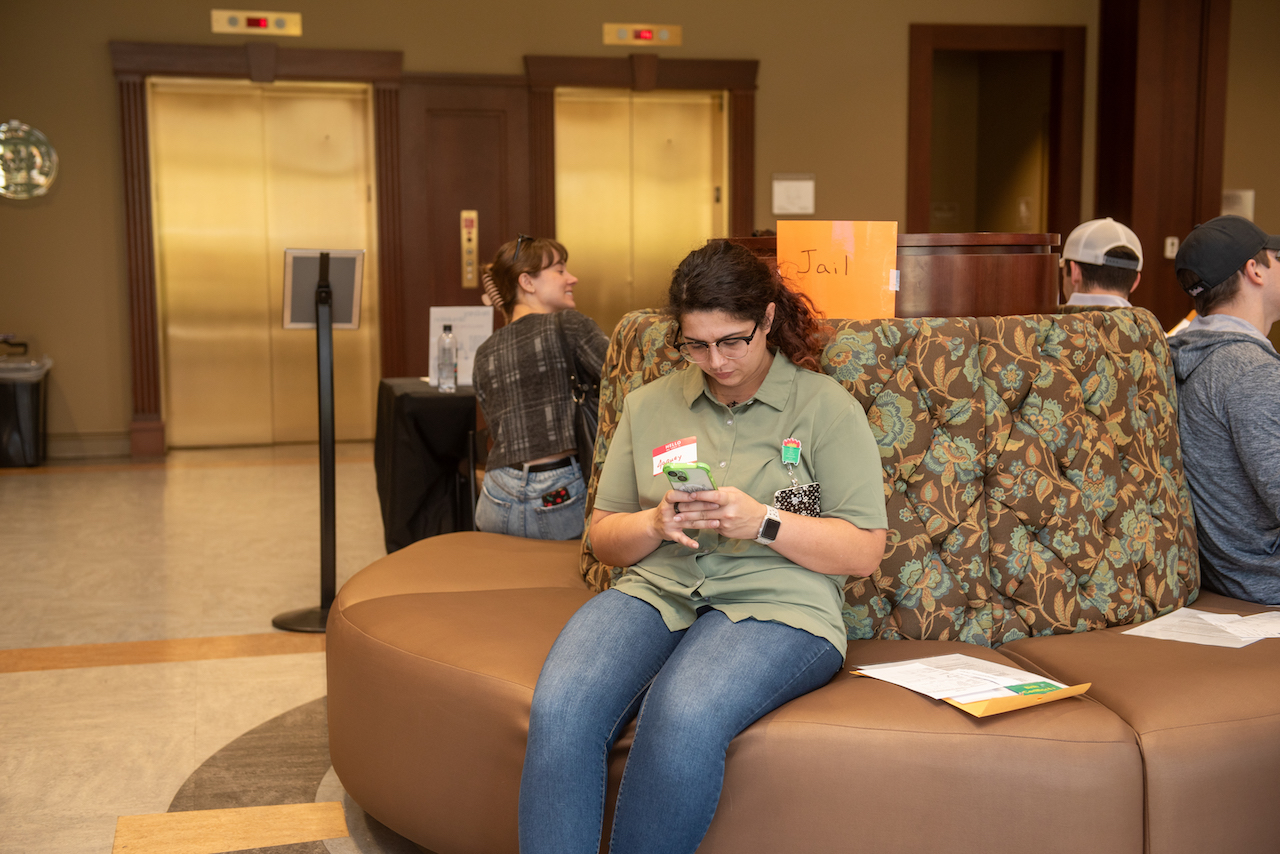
314	619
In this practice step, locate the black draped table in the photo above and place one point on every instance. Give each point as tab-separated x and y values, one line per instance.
422	447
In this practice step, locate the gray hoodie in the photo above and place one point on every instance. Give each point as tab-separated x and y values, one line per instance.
1229	421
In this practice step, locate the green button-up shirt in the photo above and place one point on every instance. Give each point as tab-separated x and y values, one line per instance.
743	447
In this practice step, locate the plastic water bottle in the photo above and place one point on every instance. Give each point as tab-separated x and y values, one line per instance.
447	360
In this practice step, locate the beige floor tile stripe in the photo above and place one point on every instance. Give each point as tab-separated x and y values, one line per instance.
158	651
216	831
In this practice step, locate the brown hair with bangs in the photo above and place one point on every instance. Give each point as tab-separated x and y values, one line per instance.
536	255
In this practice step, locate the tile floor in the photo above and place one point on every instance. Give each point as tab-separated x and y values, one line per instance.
205	544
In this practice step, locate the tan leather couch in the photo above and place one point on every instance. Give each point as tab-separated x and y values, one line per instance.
1035	491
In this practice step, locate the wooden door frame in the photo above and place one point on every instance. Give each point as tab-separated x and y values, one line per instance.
642	72
261	62
1066	113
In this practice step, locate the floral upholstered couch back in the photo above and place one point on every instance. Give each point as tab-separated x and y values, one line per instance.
1032	472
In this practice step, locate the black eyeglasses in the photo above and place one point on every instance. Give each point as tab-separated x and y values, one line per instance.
734	347
521	239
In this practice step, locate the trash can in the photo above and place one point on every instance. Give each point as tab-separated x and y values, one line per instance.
23	404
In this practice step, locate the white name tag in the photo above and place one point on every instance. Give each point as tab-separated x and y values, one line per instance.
680	451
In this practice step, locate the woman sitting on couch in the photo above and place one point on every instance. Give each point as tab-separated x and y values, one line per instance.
730	603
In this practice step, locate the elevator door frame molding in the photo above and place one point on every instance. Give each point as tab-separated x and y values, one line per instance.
1066	45
132	63
642	72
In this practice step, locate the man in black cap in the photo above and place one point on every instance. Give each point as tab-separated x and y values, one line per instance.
1229	404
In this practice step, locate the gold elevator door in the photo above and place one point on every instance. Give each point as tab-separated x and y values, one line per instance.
641	179
240	172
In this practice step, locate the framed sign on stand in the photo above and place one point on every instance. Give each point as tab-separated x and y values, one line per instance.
322	292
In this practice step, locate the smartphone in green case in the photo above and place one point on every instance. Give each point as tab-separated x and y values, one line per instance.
689	477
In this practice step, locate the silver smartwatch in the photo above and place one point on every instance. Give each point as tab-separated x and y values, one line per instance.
769	527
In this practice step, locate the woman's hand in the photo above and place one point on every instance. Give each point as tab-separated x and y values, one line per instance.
729	510
829	546
623	539
678	511
826	545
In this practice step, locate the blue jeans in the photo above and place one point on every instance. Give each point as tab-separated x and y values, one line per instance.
694	689
511	503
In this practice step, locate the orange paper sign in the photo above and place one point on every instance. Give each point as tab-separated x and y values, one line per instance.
847	268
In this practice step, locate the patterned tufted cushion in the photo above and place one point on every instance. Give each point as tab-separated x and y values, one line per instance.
1033	477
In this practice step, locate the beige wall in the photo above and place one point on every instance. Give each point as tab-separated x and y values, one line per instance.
1250	161
1252	157
832	101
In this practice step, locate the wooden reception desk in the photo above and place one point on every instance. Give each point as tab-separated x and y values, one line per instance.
966	275
973	275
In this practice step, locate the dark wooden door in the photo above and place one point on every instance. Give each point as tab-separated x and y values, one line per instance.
464	145
1162	111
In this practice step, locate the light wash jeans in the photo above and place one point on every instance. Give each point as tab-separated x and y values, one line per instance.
695	690
511	503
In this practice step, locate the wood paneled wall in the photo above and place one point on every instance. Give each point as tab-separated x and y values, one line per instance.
1162	90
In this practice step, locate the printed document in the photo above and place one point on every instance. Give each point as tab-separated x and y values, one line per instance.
962	678
1256	626
1190	625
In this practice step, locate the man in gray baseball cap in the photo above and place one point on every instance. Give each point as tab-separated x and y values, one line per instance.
1228	376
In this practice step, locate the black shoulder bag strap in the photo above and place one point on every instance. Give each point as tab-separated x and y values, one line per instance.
586	413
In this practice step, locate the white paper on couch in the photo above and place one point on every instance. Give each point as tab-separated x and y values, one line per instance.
1188	625
960	677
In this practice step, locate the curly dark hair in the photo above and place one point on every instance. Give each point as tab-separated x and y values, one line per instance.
723	276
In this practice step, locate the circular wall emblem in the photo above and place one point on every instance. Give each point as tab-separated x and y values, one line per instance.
28	163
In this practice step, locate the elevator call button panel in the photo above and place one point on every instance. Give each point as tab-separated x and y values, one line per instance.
256	23
470	222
